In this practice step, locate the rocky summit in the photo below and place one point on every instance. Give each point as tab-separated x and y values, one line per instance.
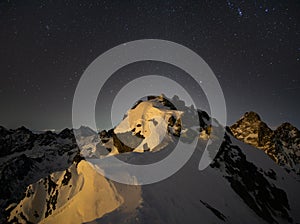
281	144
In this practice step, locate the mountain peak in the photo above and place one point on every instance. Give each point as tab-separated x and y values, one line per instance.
23	129
252	130
66	133
84	131
286	126
3	130
153	123
288	134
251	116
282	144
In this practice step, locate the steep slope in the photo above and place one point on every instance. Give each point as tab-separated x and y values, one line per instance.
78	194
282	144
241	186
27	157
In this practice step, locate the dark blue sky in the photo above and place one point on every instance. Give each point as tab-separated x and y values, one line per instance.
253	47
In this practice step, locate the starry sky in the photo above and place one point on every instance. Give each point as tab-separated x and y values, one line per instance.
253	47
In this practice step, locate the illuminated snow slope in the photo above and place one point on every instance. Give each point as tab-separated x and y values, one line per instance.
77	195
242	185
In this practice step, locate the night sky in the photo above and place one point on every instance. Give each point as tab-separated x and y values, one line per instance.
253	47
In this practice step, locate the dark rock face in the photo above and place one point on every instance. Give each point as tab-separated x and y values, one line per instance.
124	142
77	158
53	194
252	184
252	117
282	144
66	133
67	177
214	211
15	141
46	138
287	145
164	101
15	171
121	145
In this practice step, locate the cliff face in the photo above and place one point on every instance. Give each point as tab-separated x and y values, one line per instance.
281	144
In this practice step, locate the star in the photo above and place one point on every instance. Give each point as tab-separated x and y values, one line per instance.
240	12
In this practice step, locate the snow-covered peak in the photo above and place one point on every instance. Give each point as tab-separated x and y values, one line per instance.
77	195
152	124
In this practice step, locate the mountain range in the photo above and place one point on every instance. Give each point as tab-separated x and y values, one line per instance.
281	144
47	177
